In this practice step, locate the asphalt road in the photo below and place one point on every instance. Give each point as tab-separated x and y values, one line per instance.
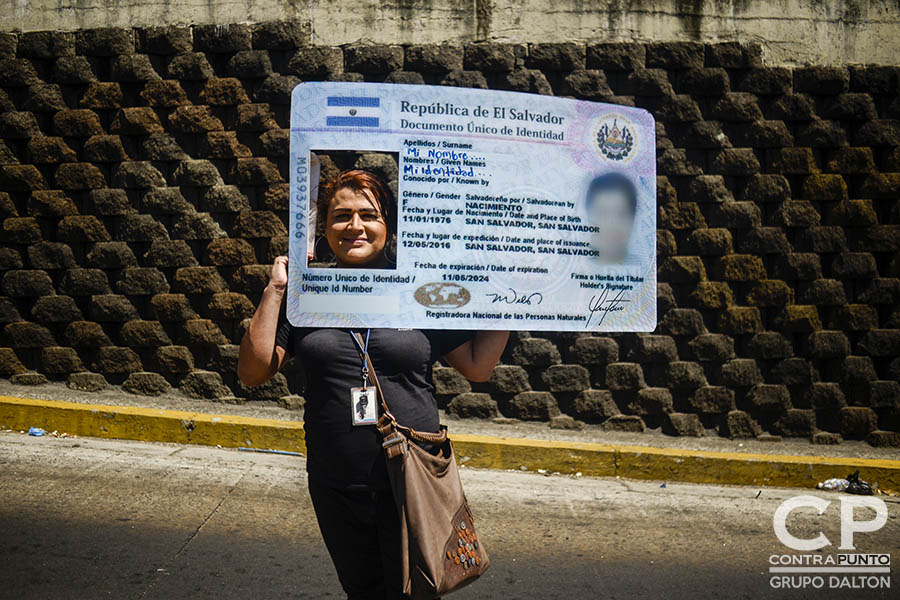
86	518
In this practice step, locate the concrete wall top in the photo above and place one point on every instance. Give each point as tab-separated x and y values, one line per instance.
791	32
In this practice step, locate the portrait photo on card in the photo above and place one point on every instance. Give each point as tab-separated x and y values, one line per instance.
353	209
613	204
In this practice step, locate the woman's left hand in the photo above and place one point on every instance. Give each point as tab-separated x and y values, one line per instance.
477	358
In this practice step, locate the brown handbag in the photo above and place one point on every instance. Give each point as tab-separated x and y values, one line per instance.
440	550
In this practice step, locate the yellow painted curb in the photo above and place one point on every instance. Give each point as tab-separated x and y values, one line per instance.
590	459
150	424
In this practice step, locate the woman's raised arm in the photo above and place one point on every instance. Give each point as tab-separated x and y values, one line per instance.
477	358
259	357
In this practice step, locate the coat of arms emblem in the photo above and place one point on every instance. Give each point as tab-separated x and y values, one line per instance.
615	141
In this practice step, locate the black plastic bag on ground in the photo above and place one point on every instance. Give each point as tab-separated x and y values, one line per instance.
858	486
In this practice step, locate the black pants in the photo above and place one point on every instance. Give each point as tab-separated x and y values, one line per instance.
362	533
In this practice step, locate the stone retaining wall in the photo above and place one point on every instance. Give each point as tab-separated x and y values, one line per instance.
143	176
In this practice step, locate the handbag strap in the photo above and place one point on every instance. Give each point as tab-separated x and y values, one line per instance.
387	424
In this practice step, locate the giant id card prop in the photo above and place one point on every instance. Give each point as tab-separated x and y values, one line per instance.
514	211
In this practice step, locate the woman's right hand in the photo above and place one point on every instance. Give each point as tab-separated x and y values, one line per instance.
260	357
279	278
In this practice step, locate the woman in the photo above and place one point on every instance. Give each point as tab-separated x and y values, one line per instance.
348	480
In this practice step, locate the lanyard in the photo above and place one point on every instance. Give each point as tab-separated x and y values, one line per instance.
364	352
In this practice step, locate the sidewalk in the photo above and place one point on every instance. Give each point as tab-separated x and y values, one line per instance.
519	445
87	518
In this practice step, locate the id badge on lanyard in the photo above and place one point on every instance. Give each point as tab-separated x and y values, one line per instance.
363	399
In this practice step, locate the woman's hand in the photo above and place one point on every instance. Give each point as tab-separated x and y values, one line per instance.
259	357
477	358
279	278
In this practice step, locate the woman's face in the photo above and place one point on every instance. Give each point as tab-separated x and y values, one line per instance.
355	228
610	212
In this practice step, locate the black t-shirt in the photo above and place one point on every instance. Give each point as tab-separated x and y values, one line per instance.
340	454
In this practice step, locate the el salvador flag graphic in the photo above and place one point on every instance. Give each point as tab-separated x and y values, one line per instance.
352	111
